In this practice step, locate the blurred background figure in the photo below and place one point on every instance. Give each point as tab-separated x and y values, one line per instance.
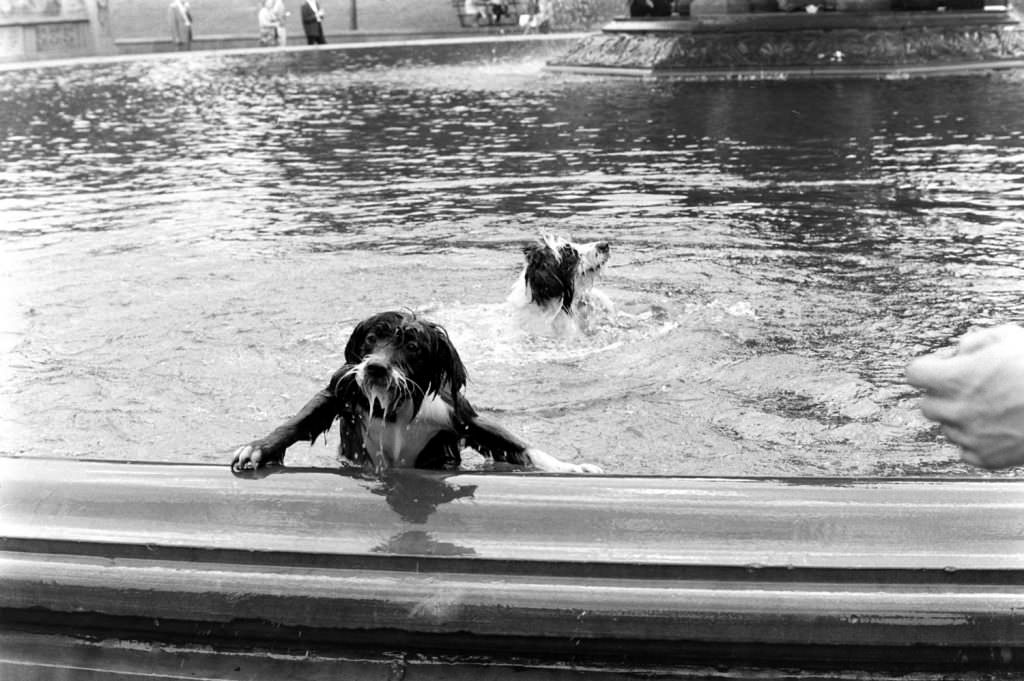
179	15
537	18
496	9
267	23
312	22
280	17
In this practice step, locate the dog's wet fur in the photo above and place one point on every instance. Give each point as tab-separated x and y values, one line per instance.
555	293
400	403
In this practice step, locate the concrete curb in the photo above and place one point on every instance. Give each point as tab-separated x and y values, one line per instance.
862	574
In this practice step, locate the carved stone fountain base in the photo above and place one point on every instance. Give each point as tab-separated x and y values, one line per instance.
781	45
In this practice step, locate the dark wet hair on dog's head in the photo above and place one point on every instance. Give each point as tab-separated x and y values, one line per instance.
551	271
421	348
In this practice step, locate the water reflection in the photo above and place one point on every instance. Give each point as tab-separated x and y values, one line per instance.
187	240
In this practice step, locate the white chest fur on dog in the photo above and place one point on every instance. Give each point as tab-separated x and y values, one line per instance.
397	443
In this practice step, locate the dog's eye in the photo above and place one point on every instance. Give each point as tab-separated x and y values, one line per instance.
412	347
371	338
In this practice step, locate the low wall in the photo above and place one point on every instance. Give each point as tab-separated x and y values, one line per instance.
342	39
54	30
205	569
42	39
778	45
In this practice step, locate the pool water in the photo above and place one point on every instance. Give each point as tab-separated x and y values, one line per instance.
186	242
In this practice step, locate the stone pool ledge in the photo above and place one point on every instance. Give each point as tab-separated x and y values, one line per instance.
180	570
227	46
794	45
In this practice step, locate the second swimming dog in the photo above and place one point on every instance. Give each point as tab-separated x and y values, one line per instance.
554	293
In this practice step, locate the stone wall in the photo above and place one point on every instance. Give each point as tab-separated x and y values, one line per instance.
44	29
935	42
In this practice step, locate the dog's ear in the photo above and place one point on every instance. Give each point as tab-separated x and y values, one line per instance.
552	276
448	369
567	264
355	341
543	275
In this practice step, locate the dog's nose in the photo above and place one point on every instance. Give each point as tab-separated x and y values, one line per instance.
376	371
603	247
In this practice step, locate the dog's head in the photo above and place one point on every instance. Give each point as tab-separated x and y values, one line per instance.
398	358
558	269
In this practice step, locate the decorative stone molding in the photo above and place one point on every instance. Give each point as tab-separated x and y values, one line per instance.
46	29
872	44
62	37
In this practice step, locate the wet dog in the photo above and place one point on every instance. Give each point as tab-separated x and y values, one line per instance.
554	293
399	400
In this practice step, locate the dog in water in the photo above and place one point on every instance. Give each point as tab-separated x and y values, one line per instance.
554	293
399	402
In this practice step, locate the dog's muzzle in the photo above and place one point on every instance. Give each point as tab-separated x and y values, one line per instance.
375	372
377	382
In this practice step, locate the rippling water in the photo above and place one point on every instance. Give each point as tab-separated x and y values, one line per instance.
187	241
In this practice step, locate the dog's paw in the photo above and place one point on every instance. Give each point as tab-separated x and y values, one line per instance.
545	462
255	455
587	468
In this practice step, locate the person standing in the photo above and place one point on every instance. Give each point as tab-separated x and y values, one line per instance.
280	18
180	17
267	23
312	22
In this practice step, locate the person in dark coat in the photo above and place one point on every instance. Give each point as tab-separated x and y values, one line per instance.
313	22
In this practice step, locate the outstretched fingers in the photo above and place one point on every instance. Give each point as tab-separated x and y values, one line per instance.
941	409
946	372
936	374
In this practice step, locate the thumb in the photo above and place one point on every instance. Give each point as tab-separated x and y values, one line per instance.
922	372
936	374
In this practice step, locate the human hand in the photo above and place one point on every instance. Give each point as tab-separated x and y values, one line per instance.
977	394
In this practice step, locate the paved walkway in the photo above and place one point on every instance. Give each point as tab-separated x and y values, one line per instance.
147	19
140	25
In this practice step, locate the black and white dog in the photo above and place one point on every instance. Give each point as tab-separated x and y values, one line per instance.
555	292
400	404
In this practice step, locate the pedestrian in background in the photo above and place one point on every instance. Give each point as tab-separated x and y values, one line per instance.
312	22
280	17
537	18
179	15
267	23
